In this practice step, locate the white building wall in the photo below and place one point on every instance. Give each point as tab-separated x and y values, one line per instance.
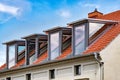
22	77
63	71
43	75
111	58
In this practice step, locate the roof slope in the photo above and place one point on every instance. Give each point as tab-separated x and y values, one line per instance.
108	36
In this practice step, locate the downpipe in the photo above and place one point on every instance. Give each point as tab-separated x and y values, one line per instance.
101	65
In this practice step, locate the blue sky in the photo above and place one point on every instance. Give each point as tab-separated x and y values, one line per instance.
19	18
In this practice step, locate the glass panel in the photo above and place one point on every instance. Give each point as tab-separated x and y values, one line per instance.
32	59
79	39
11	56
94	27
54	43
20	48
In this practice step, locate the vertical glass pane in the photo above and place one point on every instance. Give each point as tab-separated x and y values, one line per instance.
20	48
11	56
54	44
32	59
79	39
94	27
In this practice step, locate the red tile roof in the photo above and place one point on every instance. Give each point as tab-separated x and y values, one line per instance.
65	53
111	16
108	36
20	63
41	58
96	46
3	66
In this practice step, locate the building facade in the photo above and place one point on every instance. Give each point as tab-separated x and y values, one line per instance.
86	49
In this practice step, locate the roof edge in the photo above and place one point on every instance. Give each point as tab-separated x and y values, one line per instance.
49	62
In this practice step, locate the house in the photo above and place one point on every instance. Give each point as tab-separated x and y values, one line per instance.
86	49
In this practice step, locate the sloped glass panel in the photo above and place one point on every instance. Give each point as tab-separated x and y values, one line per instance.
21	48
11	56
54	44
94	27
79	39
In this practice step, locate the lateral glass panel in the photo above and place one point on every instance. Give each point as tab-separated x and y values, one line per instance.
95	30
11	56
54	45
79	39
94	27
21	48
32	58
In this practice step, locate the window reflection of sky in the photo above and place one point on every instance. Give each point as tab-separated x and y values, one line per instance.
94	27
21	48
32	59
11	56
54	45
79	34
79	39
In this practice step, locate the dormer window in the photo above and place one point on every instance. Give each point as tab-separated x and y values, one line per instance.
11	58
96	29
55	44
79	38
36	44
86	31
14	51
59	39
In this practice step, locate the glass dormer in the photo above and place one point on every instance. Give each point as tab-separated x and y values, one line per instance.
55	42
13	51
79	38
85	31
11	58
36	44
59	39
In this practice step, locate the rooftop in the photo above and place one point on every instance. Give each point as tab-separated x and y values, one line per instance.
99	44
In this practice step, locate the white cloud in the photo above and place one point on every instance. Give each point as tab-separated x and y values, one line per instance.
91	5
9	9
64	13
7	12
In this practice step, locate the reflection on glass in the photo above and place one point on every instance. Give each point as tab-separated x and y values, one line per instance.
11	56
94	27
79	39
20	48
32	59
54	43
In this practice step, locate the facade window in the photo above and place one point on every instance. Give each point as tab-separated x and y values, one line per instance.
77	69
52	74
79	39
54	45
8	78
28	76
11	56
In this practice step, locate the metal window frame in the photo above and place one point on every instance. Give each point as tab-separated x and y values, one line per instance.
7	53
16	43
36	38
86	36
27	52
60	42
